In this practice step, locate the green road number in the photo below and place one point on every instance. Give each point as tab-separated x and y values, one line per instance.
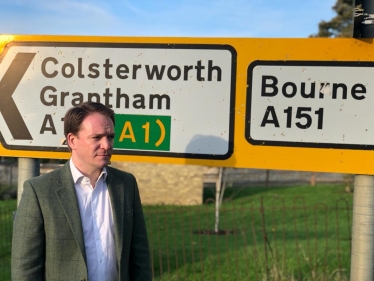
142	132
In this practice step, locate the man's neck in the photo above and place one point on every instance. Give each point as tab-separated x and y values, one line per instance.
91	175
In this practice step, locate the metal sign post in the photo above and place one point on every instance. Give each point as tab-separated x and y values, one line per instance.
27	168
362	252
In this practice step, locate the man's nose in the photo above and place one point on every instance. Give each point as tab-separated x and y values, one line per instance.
107	143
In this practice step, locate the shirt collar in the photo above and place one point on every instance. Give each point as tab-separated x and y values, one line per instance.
78	176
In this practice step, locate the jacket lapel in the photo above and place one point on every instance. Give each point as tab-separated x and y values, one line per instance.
117	199
69	203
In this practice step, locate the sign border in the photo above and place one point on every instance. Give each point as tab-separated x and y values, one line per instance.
194	46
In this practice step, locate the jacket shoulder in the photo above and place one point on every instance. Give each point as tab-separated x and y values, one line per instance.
50	179
120	173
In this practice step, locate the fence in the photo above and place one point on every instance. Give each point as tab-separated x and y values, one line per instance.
262	240
255	242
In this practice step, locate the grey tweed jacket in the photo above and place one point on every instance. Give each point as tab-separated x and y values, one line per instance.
48	241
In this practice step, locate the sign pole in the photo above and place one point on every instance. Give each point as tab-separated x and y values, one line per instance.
27	168
362	252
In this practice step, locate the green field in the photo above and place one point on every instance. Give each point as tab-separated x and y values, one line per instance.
278	233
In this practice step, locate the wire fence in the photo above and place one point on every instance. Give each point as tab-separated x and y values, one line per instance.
262	240
256	241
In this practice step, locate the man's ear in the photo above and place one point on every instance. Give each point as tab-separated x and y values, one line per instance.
71	139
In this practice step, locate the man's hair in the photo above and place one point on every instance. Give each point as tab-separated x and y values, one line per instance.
74	116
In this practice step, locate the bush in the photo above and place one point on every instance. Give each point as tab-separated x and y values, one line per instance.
8	192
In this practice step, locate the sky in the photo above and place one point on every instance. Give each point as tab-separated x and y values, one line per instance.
170	18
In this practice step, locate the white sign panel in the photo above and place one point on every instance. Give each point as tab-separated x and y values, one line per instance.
314	104
170	99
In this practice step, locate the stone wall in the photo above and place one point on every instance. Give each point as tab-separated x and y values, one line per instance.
158	183
183	184
166	183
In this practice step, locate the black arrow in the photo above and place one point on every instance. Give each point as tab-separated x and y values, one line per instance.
8	85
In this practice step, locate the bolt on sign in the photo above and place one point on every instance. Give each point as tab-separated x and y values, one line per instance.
288	104
159	93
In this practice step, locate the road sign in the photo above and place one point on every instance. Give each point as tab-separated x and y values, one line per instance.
311	104
292	104
165	97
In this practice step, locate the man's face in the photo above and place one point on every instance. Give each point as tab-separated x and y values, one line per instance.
93	145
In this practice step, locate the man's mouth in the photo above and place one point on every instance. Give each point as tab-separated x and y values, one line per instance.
104	155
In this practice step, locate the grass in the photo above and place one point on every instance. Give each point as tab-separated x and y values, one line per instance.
281	233
6	222
278	233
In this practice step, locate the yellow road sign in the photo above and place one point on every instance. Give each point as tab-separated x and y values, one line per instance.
293	104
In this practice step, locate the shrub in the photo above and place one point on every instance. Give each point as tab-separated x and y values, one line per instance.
8	192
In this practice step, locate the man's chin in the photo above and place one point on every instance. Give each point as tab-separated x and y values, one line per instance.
104	159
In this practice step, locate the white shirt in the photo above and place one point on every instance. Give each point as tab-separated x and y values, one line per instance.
97	222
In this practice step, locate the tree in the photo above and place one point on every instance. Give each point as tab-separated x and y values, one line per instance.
342	24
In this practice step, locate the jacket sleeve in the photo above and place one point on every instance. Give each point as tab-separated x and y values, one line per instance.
140	262
28	245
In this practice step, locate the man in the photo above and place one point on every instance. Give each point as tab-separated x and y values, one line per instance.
85	220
